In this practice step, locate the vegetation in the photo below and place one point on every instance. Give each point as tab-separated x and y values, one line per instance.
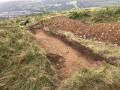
96	49
103	78
23	64
110	52
52	5
107	14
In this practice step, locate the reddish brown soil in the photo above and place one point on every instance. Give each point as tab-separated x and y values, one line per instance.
63	23
107	32
65	58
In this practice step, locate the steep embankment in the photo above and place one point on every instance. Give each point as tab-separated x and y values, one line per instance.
65	58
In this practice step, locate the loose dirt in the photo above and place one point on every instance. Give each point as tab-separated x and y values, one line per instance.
63	23
107	32
64	58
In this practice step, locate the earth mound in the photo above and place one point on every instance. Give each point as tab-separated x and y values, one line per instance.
107	32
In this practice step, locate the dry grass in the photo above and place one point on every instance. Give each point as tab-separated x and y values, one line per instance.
23	64
103	78
108	52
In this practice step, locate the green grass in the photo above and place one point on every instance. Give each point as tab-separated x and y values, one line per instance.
33	18
23	64
105	14
110	52
103	78
96	49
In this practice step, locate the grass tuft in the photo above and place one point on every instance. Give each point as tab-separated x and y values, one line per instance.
103	78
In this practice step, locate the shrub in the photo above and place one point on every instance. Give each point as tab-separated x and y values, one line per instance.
81	14
108	14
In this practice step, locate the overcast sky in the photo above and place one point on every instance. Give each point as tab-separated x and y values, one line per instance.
6	0
13	0
9	0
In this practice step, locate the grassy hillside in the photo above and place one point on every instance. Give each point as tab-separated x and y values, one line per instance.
24	66
103	78
106	14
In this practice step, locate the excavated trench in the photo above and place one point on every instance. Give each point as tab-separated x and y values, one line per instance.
63	57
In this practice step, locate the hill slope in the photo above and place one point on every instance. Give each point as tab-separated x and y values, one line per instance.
24	66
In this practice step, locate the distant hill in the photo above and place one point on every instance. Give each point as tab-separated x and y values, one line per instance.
22	7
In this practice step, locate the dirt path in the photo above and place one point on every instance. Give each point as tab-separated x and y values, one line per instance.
65	58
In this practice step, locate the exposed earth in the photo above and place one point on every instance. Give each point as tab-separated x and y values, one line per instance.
64	58
107	32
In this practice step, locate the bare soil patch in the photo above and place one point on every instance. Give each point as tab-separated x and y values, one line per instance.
107	32
64	58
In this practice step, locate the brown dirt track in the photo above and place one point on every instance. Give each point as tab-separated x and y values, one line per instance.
107	32
64	58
